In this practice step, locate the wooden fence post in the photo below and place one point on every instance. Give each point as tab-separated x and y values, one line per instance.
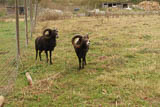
29	79
1	101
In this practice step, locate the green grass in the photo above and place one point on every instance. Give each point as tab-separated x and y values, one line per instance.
123	65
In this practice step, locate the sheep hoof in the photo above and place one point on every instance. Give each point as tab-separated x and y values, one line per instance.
83	67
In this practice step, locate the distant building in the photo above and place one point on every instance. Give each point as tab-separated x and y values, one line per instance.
115	4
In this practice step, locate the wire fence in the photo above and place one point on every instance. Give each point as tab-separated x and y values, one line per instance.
8	57
8	68
117	14
8	73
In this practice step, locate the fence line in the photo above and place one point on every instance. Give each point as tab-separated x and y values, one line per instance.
118	14
8	76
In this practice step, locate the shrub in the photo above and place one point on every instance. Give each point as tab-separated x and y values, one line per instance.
50	14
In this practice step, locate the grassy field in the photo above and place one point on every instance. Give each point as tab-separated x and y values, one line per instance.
123	65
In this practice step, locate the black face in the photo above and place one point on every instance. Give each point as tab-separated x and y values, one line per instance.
55	32
86	40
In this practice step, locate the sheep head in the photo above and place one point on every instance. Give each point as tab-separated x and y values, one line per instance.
86	40
55	33
51	33
81	40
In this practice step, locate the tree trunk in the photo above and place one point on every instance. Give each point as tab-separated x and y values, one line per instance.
17	30
26	22
36	12
31	18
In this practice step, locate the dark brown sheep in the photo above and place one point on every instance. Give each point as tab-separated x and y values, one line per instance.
81	48
46	42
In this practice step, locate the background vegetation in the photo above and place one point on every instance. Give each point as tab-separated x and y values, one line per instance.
75	2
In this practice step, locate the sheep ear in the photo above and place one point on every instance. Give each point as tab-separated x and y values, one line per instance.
87	36
54	28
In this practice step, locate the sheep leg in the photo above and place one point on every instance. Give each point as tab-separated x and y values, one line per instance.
50	57
46	56
79	63
40	55
36	54
83	63
85	60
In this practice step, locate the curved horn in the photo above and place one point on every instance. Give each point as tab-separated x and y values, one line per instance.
49	30
48	35
73	41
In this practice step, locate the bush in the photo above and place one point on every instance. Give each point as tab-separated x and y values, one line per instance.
50	14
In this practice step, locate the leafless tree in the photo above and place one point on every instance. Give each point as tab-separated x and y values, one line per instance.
17	30
26	22
36	12
31	18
